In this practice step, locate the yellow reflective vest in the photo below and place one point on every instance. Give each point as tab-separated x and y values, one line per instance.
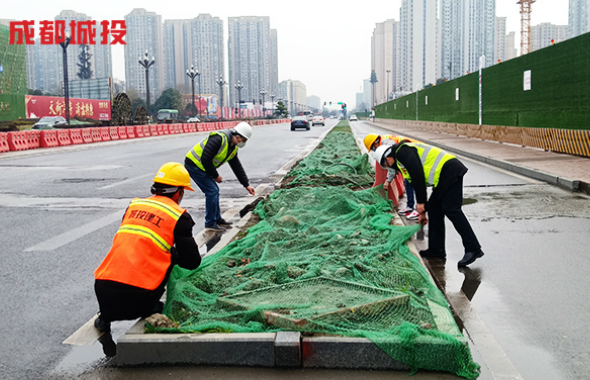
432	158
223	154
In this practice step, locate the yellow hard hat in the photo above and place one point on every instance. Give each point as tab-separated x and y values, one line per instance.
370	140
174	174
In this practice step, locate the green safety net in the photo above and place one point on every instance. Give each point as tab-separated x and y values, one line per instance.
323	259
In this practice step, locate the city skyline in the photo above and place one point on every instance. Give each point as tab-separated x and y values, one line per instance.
335	40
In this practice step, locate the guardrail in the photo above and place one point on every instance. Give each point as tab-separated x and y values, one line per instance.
33	139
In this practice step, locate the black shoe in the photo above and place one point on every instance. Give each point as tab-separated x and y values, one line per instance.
470	257
108	345
433	254
223	223
102	326
215	227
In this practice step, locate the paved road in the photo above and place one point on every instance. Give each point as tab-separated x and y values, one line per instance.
59	210
530	287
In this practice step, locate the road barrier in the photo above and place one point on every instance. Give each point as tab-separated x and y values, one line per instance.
75	136
33	137
87	135
4	142
48	138
63	137
17	141
114	133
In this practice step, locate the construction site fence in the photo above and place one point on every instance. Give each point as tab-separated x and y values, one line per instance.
575	142
33	139
546	90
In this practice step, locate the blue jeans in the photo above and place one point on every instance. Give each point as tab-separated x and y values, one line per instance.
409	193
209	187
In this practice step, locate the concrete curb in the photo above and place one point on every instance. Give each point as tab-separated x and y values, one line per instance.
565	183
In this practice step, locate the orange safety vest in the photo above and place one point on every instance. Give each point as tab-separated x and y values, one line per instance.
140	255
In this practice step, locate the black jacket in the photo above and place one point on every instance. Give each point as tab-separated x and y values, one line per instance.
210	151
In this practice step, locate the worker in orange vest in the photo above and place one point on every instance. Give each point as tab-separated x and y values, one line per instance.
156	234
372	141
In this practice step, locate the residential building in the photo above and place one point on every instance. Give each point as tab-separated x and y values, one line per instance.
144	34
500	53
367	92
418	45
207	51
543	34
252	58
314	102
175	42
384	59
511	51
294	95
578	18
467	31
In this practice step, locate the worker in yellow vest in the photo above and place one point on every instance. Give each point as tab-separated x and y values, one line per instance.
372	141
156	234
203	160
425	165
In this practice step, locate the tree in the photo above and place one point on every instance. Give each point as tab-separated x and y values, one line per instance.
136	101
440	81
34	92
281	110
170	99
373	81
84	65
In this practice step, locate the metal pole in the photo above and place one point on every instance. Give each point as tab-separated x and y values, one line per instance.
64	46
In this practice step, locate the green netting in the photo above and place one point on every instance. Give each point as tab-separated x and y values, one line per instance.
558	97
324	259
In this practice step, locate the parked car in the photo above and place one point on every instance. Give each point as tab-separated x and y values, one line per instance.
49	122
299	122
353	118
318	120
193	119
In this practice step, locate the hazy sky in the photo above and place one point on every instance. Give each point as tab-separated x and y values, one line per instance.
324	44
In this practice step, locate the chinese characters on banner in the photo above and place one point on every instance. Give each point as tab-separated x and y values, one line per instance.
39	106
81	32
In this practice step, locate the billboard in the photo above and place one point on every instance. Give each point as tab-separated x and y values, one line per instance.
91	88
39	106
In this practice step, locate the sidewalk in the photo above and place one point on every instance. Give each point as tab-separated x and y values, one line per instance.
567	171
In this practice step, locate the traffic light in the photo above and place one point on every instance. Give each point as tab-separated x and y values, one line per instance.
343	106
324	104
330	103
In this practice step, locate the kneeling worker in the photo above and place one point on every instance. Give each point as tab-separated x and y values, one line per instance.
424	165
156	233
203	160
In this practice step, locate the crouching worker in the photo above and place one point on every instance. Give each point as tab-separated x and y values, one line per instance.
156	234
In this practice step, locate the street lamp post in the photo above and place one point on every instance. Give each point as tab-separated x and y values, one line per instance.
192	73
239	86
64	45
388	71
263	93
272	103
147	63
221	83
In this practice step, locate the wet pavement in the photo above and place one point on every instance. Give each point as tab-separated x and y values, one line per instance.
527	293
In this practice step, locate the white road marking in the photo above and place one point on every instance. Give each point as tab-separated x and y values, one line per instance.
68	237
124	182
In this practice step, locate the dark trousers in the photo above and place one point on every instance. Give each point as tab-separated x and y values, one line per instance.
118	302
409	193
448	203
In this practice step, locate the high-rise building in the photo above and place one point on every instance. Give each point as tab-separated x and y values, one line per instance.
511	51
543	34
418	44
45	71
293	94
144	34
252	57
384	59
175	44
207	51
578	18
500	53
314	102
468	29
367	92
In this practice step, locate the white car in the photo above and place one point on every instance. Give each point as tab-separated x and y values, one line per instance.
318	120
353	118
193	119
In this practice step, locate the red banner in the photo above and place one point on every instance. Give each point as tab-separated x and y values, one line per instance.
39	106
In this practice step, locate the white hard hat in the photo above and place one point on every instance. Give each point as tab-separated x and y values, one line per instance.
380	153
243	129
